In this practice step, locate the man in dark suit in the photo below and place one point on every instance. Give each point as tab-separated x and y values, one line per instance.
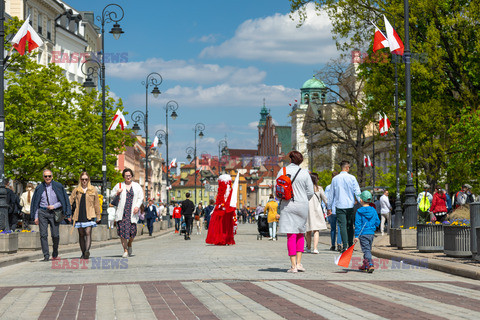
151	215
187	211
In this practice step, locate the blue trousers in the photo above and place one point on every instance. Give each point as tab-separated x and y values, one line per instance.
335	229
366	241
150	222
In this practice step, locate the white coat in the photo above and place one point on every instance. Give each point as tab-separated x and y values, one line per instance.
136	203
316	217
294	212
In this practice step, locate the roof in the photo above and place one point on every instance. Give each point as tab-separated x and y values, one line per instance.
314	83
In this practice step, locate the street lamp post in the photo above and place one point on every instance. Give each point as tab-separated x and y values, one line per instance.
191	151
3	190
198	127
111	13
410	217
222	144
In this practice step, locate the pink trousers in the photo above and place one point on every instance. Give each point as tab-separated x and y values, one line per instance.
295	243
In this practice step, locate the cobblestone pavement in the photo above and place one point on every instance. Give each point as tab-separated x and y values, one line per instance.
170	278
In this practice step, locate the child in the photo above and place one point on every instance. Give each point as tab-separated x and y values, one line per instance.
366	222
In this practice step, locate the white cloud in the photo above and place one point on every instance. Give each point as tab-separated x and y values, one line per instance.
210	38
223	95
253	125
181	70
277	39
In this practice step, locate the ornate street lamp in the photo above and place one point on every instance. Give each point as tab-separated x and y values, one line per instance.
111	13
199	127
3	190
222	145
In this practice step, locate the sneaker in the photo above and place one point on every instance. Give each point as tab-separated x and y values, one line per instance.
307	250
130	251
364	266
383	234
125	254
339	248
370	269
270	238
300	268
292	270
315	251
332	248
274	239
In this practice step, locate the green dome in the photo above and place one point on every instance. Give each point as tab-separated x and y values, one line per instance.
313	83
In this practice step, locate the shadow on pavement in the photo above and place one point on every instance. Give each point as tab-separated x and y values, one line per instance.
273	270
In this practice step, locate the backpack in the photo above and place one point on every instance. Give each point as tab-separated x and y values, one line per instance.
283	189
424	204
460	199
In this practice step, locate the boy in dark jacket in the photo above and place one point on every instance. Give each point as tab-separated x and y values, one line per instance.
366	222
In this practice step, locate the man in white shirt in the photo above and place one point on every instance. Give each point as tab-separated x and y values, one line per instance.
344	191
385	208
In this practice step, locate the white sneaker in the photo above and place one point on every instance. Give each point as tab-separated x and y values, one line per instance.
315	251
130	251
383	233
274	239
125	254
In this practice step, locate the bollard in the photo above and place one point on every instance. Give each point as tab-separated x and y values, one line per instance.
474	222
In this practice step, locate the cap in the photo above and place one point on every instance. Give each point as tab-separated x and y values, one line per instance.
466	185
426	186
366	196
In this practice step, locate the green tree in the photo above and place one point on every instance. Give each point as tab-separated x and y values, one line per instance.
53	123
445	73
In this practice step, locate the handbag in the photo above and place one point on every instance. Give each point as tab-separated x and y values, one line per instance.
116	199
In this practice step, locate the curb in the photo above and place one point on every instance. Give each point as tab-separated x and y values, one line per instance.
434	264
22	256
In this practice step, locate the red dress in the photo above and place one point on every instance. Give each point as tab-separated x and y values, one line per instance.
220	229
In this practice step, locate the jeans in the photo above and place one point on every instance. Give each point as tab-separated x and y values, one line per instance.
345	221
272	229
188	225
46	218
366	241
332	219
177	224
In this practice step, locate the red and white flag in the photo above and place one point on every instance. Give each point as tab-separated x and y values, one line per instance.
172	164
384	125
394	41
379	40
154	143
118	119
26	34
343	260
367	162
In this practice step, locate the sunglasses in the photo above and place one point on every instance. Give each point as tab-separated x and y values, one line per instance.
84	179
47	176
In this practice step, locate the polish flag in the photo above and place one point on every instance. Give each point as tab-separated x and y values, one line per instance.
172	164
155	143
118	119
394	41
26	34
379	40
343	260
367	162
384	125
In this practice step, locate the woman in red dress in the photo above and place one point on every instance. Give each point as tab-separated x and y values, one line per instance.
220	230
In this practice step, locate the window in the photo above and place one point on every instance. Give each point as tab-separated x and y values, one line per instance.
179	194
240	188
39	23
39	56
200	194
182	183
29	13
241	197
49	29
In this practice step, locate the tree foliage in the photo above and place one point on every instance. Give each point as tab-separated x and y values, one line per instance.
53	123
445	76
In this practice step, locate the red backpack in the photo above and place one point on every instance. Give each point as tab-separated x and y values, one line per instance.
283	189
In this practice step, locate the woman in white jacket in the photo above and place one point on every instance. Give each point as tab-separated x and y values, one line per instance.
294	212
316	216
130	198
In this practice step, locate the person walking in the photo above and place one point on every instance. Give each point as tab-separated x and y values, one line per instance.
316	217
439	205
294	212
49	196
343	192
366	222
25	203
208	213
150	215
198	218
272	217
385	208
86	206
187	212
177	215
332	220
424	202
129	196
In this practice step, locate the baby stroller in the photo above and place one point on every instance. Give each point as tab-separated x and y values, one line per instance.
262	225
183	227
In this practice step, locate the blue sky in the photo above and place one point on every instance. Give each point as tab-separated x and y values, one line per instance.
218	60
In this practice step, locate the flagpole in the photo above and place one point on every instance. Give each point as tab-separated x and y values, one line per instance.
373	161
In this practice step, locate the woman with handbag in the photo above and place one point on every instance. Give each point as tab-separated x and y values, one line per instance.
198	218
86	211
128	199
316	216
